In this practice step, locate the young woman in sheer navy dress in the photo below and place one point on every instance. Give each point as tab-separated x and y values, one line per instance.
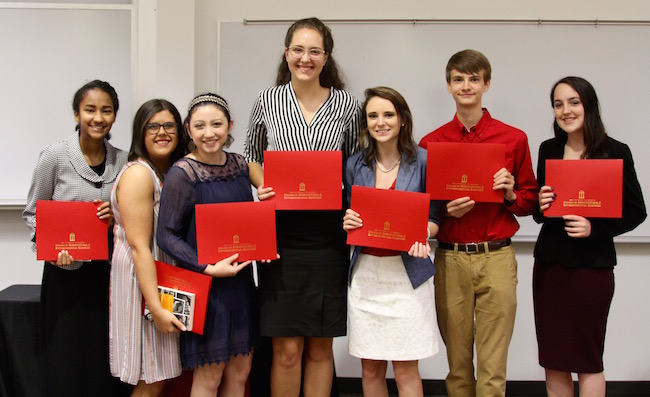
221	357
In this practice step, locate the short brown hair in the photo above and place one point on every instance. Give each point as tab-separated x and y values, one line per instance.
471	62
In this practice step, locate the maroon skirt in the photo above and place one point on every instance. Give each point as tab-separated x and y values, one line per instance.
571	309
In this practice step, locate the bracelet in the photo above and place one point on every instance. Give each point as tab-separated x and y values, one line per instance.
428	233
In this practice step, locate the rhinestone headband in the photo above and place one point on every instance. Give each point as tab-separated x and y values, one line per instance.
209	98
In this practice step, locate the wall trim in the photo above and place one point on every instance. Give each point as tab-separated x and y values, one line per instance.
514	388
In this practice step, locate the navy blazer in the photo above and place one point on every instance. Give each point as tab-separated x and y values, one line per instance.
411	177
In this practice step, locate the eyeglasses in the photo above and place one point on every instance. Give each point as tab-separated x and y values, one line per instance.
299	52
154	128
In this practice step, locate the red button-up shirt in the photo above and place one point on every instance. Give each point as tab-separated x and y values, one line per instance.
490	221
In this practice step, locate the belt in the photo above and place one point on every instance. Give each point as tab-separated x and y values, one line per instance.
473	248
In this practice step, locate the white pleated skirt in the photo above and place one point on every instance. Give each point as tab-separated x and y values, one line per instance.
388	319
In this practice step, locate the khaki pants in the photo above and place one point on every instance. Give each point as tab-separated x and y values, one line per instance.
479	286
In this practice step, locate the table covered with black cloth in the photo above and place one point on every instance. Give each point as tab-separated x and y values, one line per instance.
21	349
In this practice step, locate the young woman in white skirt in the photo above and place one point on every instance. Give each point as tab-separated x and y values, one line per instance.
390	301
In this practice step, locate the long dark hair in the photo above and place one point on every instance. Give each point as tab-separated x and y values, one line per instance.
595	135
405	142
330	75
95	84
140	121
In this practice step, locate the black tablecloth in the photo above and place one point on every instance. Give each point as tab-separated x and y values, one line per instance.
21	349
20	343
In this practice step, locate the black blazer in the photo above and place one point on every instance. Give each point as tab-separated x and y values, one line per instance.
555	246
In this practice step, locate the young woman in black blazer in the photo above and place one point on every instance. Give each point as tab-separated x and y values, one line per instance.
573	277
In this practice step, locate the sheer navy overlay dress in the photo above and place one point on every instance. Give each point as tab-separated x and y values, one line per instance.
231	326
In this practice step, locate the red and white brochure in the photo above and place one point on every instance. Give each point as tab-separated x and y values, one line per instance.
177	278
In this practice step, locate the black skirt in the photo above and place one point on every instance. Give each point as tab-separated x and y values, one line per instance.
304	292
571	309
74	315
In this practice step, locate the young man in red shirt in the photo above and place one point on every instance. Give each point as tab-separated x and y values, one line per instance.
476	279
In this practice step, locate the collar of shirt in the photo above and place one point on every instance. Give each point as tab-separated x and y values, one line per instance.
475	133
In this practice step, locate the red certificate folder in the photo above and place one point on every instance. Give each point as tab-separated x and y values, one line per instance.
246	228
589	188
304	180
457	170
72	226
392	219
177	278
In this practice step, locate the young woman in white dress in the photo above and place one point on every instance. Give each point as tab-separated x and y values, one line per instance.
390	298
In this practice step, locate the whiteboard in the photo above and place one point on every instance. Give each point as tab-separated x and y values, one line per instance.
527	59
47	54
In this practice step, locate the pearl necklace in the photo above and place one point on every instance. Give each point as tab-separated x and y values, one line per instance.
390	169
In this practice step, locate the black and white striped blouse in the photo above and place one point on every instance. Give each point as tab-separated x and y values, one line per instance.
276	123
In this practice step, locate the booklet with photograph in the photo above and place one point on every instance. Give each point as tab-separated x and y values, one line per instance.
386	223
457	169
591	188
185	292
179	303
72	226
246	228
305	180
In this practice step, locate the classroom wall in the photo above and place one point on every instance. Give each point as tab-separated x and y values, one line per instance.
178	58
163	44
210	11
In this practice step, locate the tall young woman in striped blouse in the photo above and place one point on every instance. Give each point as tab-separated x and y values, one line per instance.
303	294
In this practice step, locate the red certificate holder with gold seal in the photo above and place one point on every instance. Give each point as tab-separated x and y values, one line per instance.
72	226
304	180
246	228
392	219
457	170
589	188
